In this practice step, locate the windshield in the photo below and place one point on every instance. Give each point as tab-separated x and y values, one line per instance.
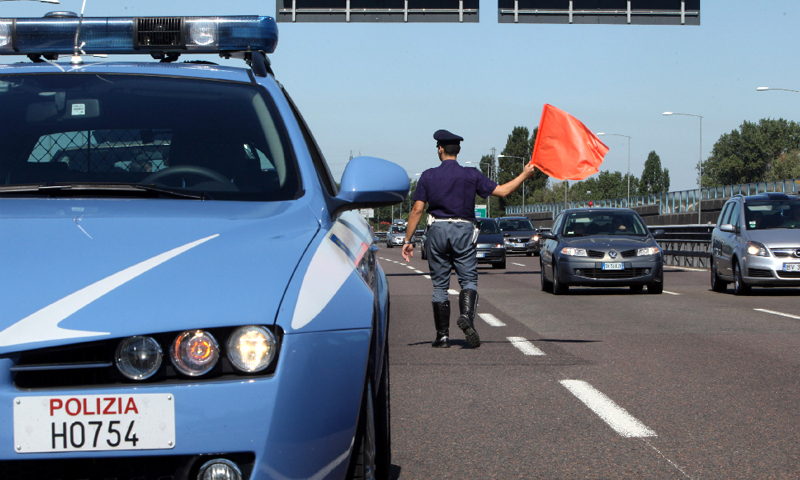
764	215
603	223
516	225
488	227
398	229
223	139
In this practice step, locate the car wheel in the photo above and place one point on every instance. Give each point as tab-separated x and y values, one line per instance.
656	288
717	284
558	287
423	253
362	462
500	266
546	285
637	288
529	253
389	244
739	287
383	423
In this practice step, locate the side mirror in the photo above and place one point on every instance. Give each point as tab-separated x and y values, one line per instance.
658	233
506	234
727	227
370	182
548	236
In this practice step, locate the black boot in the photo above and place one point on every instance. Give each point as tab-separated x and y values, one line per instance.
467	302
441	319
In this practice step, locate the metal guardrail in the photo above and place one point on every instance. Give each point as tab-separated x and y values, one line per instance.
681	201
686	245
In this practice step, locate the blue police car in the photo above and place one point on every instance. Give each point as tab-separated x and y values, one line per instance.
186	294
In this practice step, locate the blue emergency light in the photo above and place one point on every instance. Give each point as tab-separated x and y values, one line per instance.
55	34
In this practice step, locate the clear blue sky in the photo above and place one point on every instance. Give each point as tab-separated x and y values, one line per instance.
383	89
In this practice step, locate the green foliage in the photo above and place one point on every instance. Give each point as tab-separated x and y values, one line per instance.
654	178
745	155
519	147
784	167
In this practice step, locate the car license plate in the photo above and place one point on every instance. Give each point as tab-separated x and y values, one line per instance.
519	245
613	266
481	255
791	267
80	423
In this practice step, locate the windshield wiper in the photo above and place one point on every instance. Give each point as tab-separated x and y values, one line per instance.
99	189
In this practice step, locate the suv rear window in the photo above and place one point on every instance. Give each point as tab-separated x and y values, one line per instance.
224	139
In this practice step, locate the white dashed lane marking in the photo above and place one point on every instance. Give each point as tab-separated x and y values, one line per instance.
773	312
670	293
452	292
491	320
525	346
615	416
517	264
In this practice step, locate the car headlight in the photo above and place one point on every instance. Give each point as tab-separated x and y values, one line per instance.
535	238
251	349
505	240
574	252
646	251
194	352
758	249
138	358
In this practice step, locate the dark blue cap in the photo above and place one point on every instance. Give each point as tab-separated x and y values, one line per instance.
443	137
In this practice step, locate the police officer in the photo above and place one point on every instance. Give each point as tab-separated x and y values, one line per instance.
449	190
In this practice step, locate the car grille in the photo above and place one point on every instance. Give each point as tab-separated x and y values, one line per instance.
786	252
182	467
783	274
759	273
595	254
519	240
612	274
92	364
629	253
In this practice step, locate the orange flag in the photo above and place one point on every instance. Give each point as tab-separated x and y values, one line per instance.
565	149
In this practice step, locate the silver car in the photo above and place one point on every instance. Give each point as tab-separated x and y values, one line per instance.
756	243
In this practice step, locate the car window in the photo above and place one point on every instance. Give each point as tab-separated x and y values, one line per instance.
725	216
227	139
398	229
516	225
735	216
769	214
584	223
488	227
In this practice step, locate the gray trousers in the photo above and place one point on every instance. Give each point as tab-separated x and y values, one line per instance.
449	247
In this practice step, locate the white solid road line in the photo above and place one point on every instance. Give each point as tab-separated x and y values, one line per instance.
517	264
615	416
491	320
524	346
773	312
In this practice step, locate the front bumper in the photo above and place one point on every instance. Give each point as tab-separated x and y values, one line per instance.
297	423
582	271
769	271
530	247
491	255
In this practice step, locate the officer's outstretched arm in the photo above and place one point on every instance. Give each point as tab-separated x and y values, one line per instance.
508	187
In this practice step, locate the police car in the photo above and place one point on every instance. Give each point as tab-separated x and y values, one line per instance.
185	293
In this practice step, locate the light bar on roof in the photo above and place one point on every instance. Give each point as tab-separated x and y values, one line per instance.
138	35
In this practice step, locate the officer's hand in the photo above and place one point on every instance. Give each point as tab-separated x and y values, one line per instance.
408	251
529	170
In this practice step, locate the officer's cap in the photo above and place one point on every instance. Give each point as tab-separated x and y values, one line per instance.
443	137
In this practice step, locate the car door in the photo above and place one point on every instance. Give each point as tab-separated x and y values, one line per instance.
730	241
549	248
719	238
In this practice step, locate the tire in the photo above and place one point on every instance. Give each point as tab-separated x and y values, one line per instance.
547	286
383	422
717	284
637	288
529	254
558	287
656	288
739	287
500	266
423	253
364	456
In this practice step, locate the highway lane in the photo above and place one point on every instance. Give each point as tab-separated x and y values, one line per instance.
601	383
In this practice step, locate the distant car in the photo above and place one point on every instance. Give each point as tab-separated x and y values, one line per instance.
519	234
756	243
396	236
423	245
601	247
490	247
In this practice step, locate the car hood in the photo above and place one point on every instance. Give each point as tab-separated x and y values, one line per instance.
84	270
621	242
776	237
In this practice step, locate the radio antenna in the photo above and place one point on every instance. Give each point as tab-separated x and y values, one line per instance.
77	49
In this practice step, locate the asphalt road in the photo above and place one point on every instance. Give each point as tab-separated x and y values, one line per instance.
598	384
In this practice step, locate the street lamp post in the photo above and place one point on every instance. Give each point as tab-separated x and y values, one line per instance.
523	182
56	2
700	164
489	199
764	89
628	204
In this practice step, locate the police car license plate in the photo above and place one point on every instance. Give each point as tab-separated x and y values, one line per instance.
613	266
791	267
81	423
481	255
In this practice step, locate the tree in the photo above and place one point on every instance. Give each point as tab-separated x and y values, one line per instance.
654	178
745	155
786	166
519	145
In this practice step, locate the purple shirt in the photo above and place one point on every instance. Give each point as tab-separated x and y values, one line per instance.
450	189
